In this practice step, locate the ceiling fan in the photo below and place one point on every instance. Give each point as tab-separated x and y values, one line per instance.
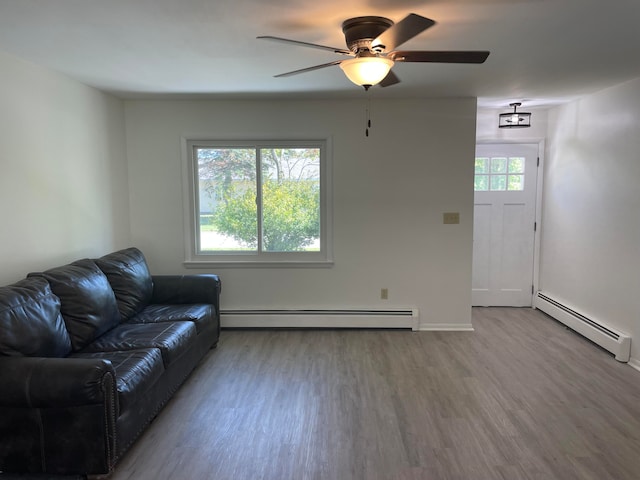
372	42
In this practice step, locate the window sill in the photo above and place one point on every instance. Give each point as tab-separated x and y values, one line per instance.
248	264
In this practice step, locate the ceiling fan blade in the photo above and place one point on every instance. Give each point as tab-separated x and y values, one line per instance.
308	69
469	56
390	79
306	44
404	30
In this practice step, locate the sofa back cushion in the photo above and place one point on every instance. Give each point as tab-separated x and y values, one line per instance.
88	304
30	321
130	279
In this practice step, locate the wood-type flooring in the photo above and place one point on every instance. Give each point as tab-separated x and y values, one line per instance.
521	397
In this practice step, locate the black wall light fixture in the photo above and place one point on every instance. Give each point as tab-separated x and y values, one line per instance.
514	119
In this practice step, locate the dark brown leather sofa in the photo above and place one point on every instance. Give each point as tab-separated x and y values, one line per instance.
89	354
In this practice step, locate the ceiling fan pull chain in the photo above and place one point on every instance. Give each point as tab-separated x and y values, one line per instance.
368	115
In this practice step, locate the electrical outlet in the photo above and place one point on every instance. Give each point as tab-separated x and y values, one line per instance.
384	293
450	218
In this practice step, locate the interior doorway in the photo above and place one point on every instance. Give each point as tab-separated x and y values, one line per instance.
506	177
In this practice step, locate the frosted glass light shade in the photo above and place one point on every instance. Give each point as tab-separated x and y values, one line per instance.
514	119
366	71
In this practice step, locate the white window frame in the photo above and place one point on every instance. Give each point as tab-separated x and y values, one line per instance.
196	259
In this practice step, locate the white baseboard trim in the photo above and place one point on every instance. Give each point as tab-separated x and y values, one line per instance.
634	363
446	327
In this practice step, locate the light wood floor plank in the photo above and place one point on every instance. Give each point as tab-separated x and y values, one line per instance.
520	398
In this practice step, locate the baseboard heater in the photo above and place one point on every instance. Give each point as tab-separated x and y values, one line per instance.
615	342
320	318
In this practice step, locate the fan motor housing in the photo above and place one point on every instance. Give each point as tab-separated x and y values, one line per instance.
359	32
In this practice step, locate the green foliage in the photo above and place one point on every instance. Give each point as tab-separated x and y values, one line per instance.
291	212
290	215
236	215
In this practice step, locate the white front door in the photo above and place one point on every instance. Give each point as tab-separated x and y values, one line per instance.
503	224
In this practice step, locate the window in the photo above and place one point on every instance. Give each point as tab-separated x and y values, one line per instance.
259	202
497	174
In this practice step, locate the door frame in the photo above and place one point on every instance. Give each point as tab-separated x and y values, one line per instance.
538	200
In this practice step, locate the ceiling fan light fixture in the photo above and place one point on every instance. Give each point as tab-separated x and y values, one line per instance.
514	119
366	71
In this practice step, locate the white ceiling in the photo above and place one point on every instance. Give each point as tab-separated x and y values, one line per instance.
542	51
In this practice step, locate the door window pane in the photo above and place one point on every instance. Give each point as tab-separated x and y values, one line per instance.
516	165
499	165
516	183
498	182
481	183
482	165
499	174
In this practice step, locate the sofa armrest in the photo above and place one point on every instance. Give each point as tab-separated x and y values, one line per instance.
186	289
57	415
37	382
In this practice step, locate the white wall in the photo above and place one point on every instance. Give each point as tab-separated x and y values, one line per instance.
390	191
63	180
591	205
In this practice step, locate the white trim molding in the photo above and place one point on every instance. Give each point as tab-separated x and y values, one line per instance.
634	363
446	327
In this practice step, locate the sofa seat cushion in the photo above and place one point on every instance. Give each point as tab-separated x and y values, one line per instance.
136	371
172	338
130	279
88	304
200	315
31	324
